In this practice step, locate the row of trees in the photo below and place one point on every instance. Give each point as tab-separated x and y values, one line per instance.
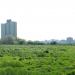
12	40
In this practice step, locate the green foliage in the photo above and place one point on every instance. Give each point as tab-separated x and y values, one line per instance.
71	73
21	41
8	40
37	60
17	41
12	64
53	43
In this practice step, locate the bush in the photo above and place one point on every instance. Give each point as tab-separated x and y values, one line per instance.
12	64
10	71
21	41
8	40
53	43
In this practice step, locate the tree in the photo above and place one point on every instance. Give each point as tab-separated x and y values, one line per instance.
21	41
53	43
9	40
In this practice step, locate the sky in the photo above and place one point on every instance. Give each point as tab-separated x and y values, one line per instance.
40	19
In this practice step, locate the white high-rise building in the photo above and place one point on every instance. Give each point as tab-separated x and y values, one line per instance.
9	29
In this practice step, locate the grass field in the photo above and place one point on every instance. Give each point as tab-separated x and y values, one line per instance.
37	60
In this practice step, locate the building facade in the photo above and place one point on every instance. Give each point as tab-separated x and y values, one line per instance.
69	40
9	29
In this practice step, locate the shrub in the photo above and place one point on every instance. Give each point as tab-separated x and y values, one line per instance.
72	73
53	43
10	71
12	64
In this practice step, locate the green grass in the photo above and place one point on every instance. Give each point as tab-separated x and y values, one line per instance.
37	60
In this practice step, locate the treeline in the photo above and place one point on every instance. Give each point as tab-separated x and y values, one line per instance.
17	41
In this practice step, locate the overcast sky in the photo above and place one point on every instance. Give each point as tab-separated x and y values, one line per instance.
40	19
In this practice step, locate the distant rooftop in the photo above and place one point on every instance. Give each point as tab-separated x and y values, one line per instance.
9	20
